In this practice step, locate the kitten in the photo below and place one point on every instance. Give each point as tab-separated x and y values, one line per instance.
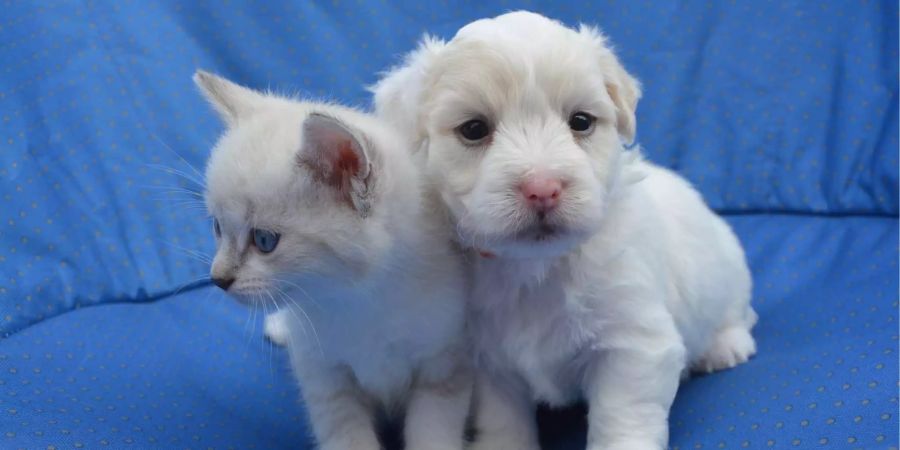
319	209
601	276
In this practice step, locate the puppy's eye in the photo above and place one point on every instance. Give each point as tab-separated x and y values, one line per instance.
264	240
217	228
582	123
474	130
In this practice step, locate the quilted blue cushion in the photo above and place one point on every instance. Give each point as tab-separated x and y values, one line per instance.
192	371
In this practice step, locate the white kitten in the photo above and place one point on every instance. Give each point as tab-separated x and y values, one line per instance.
319	209
602	276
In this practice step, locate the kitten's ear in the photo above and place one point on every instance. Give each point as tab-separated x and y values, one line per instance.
339	157
232	101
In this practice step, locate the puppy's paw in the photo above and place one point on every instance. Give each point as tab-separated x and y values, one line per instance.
731	346
276	328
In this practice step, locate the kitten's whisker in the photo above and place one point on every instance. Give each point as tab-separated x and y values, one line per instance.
257	298
172	200
202	257
291	305
287	300
189	208
246	325
168	203
302	291
191	166
311	324
190	282
173	190
179	173
270	344
188	204
294	304
254	306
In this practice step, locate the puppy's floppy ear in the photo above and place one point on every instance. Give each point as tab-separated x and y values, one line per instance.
400	91
339	157
625	92
233	102
623	89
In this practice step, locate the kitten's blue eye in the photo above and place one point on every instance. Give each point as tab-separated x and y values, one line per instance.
217	228
265	241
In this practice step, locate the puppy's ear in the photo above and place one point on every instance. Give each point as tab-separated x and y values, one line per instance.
400	91
623	89
233	102
339	157
625	92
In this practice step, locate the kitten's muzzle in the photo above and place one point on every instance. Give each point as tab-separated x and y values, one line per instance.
223	283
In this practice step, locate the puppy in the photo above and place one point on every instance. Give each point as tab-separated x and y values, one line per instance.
597	275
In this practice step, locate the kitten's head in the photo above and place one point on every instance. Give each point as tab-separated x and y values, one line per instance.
524	120
295	190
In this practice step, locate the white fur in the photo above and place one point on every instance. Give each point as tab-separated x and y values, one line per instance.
277	327
370	287
638	281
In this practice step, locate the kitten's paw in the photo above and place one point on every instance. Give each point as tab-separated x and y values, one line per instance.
276	328
731	346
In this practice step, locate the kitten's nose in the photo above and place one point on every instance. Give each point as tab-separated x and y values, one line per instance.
223	283
541	192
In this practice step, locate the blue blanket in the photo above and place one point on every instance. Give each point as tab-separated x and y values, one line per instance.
784	114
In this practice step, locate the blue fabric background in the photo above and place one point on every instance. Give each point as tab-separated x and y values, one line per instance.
783	113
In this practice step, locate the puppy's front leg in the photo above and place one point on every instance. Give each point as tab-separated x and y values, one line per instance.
439	405
630	387
340	413
504	415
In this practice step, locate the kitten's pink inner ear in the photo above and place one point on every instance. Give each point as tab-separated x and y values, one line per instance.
338	159
346	163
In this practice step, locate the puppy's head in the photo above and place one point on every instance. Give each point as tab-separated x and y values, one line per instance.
524	120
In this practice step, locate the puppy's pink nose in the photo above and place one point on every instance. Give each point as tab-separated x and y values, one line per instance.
542	193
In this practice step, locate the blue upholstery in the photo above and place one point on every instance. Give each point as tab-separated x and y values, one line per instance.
784	114
188	371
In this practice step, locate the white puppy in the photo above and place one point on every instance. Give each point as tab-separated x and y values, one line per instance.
601	276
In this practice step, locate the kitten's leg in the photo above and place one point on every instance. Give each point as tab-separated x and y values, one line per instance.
276	327
439	405
504	415
631	384
340	413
